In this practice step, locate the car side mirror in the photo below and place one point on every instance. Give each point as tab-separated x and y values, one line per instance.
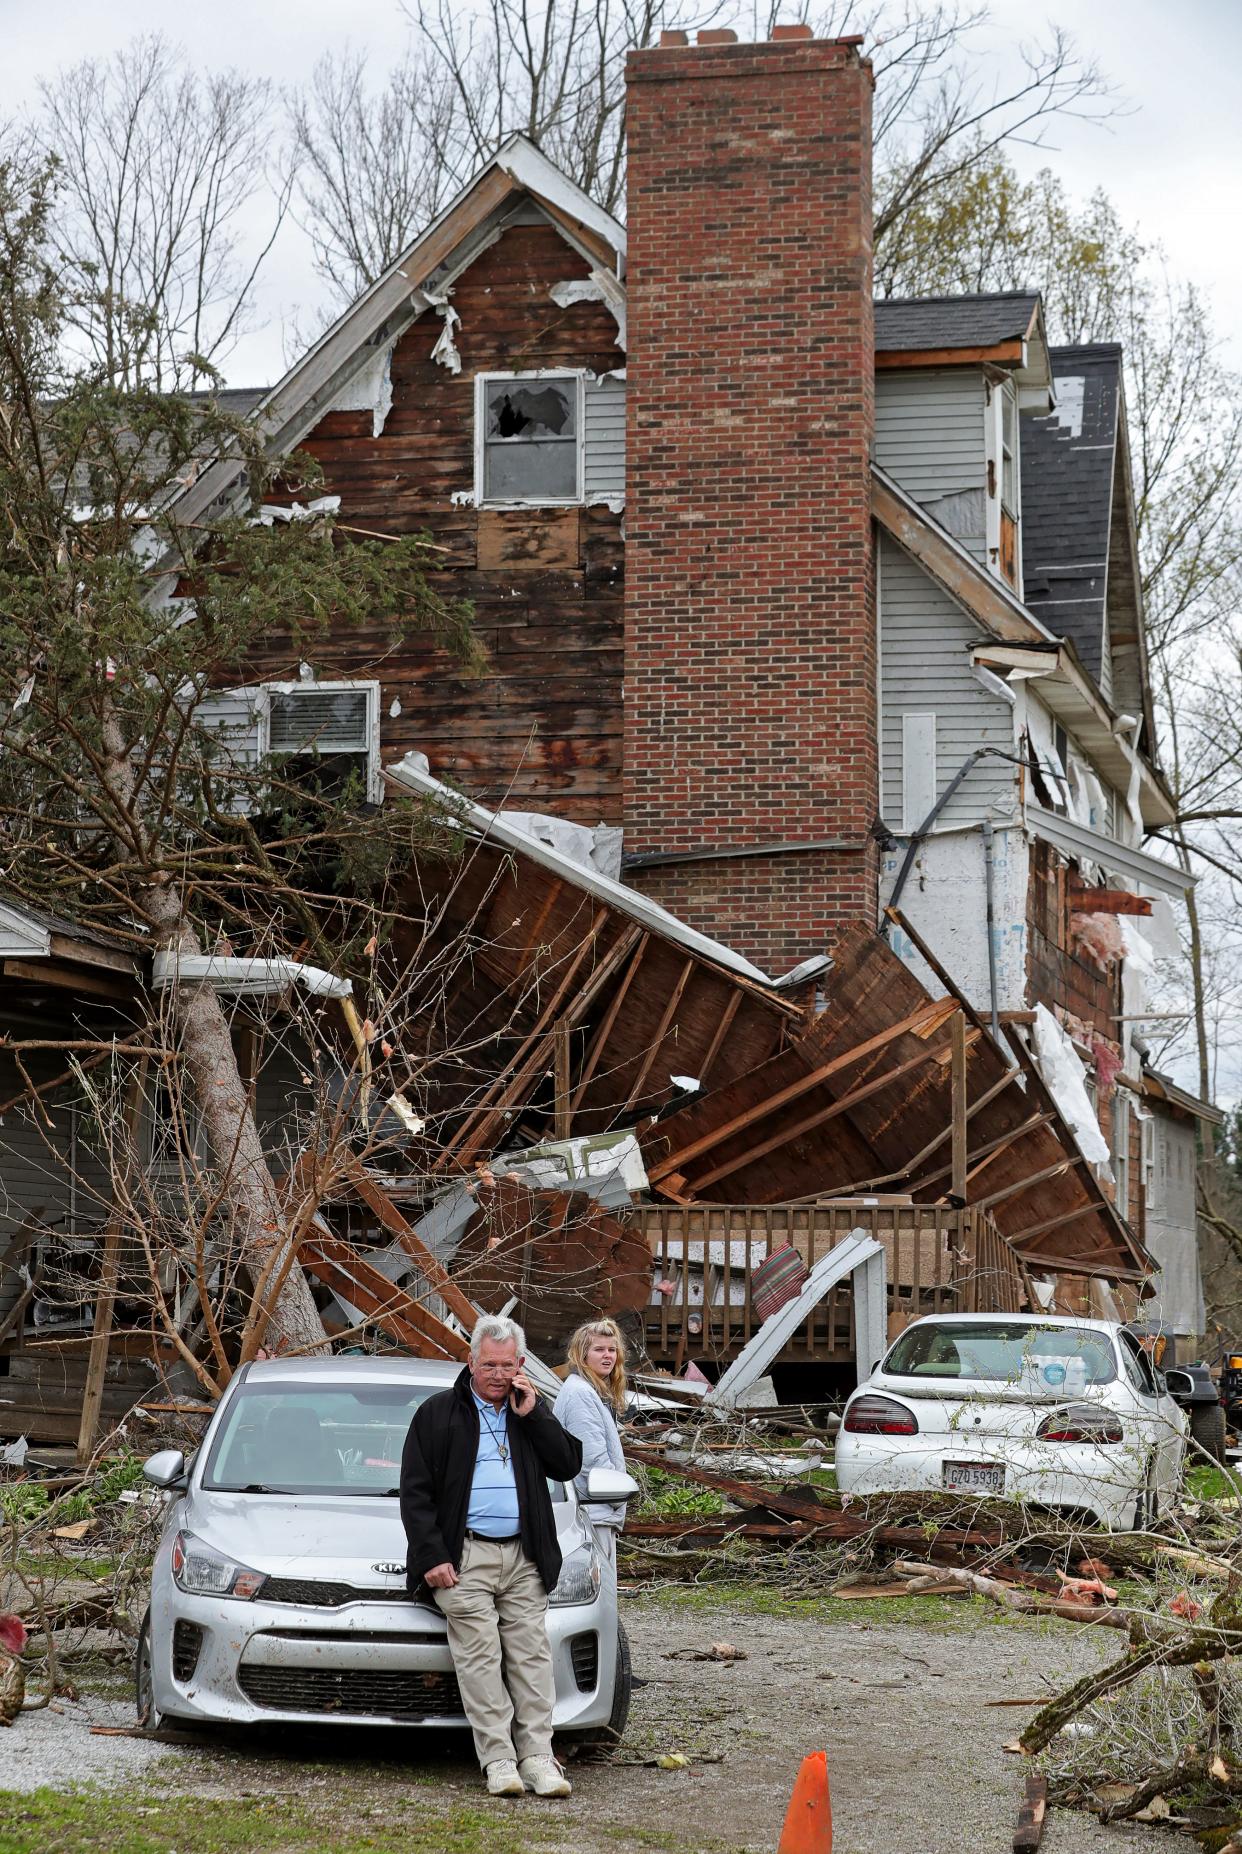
166	1469
609	1486
1177	1383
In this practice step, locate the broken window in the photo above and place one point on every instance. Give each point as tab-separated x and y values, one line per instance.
530	426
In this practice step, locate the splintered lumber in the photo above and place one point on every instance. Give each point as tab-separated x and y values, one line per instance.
339	1266
825	1521
390	1218
1107	901
1029	1833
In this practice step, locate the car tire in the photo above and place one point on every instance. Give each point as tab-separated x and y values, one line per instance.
144	1685
149	1719
1207	1428
608	1737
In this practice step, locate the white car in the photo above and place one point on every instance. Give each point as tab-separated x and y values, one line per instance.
278	1592
1067	1414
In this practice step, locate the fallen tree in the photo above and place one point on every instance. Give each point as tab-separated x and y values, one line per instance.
119	807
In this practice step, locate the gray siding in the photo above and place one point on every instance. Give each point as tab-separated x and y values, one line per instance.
48	1170
1170	1227
603	438
233	714
929	436
925	642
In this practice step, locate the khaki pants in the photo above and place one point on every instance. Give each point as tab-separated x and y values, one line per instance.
495	1616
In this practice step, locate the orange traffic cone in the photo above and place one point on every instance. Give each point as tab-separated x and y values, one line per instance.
808	1820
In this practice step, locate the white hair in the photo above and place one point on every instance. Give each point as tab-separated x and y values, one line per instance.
500	1331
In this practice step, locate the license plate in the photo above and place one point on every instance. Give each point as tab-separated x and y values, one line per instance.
972	1477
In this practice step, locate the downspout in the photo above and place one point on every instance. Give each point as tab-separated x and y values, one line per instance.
988	835
894	900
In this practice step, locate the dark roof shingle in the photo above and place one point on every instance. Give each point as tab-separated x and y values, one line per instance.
909	324
1068	460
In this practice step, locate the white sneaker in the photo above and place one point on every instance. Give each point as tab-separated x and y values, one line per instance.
544	1776
503	1779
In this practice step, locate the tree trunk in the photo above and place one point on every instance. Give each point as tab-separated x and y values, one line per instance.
247	1188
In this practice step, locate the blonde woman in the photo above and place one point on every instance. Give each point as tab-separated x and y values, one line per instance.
589	1405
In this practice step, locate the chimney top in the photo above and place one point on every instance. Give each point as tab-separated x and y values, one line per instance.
674	38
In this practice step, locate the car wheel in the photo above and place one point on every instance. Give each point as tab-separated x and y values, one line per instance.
144	1683
1207	1428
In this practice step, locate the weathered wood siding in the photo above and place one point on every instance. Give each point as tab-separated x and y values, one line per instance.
925	641
541	728
929	436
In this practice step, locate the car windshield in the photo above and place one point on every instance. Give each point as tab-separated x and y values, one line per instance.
1032	1357
314	1438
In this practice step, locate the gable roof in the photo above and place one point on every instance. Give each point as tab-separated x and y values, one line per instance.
417	281
915	323
1068	464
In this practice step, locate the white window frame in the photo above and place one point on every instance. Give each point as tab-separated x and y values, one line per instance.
1120	1144
340	686
482	381
1147	1155
997	389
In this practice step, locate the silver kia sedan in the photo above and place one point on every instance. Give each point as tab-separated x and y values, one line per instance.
278	1590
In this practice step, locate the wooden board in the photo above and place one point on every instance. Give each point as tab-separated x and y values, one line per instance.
528	540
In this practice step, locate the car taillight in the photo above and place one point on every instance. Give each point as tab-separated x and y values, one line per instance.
879	1416
1080	1423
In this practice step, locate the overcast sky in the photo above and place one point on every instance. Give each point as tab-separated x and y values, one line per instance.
1173	163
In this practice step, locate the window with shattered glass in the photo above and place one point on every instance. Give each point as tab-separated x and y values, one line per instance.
530	438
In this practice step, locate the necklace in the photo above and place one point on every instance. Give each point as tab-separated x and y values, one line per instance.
499	1436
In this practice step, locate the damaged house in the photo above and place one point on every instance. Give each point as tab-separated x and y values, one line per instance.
807	783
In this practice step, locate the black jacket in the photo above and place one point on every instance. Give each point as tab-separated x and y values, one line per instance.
437	1468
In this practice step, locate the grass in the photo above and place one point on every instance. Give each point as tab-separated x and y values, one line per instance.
1206	1483
924	1612
382	1819
135	1822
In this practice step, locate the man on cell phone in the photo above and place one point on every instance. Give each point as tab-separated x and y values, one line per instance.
482	1539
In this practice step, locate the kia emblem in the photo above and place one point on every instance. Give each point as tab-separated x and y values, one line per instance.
389	1570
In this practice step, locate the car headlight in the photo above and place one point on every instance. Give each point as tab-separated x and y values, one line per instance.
579	1580
196	1567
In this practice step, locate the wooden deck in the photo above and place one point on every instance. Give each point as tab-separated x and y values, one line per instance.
938	1261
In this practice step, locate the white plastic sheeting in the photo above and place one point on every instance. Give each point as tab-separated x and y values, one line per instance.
445	352
1065	1079
370	390
1138	969
596	847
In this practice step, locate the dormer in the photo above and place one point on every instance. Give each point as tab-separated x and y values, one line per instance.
954	374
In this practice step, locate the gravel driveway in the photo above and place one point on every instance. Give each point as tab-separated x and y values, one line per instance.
914	1752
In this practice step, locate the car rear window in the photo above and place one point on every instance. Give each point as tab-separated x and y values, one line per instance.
314	1438
1028	1355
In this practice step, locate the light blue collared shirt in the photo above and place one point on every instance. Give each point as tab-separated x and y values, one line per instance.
493	1508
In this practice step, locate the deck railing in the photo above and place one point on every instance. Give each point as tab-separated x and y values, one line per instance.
703	1256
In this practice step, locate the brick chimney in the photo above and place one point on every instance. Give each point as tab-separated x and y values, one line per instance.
750	638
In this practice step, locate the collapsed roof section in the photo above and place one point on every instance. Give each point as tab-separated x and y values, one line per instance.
584	1002
864	1101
